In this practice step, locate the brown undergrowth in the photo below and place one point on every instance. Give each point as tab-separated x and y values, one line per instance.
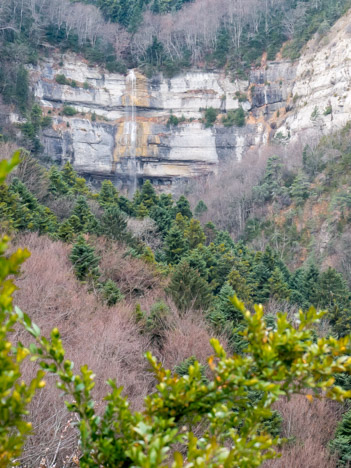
308	426
108	339
112	342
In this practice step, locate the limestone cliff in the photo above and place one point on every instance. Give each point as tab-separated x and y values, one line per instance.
121	121
120	129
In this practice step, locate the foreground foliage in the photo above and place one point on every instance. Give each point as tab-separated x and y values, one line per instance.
277	362
15	395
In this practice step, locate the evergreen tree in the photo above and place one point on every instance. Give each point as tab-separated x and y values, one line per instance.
85	262
7	209
148	195
44	221
36	117
114	223
197	261
111	293
341	444
28	213
194	234
141	211
87	221
225	305
181	223
22	89
74	222
68	174
200	208
26	197
219	263
13	214
188	290
175	245
126	206
166	201
271	185
223	238
162	217
240	287
311	284
210	232
334	296
57	185
183	368
183	207
299	292
65	232
136	199
77	185
300	188
108	194
80	187
157	323
332	289
21	216
278	287
261	274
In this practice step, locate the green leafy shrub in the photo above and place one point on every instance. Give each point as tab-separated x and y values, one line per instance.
172	121
210	116
61	79
242	97
315	114
234	117
183	368
46	121
69	111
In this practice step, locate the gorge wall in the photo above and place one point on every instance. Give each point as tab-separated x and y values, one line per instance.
120	129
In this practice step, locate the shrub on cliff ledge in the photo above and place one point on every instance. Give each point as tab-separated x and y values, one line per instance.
234	117
69	111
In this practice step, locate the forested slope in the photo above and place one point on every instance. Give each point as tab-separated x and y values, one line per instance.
148	276
119	277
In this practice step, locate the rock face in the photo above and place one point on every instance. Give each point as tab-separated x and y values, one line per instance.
121	130
121	124
322	88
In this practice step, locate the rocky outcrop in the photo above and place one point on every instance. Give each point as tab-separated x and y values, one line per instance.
122	129
322	87
111	108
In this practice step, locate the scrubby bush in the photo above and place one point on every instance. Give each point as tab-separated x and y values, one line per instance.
210	116
234	117
69	111
61	79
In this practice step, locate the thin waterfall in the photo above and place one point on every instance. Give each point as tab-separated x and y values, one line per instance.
131	127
